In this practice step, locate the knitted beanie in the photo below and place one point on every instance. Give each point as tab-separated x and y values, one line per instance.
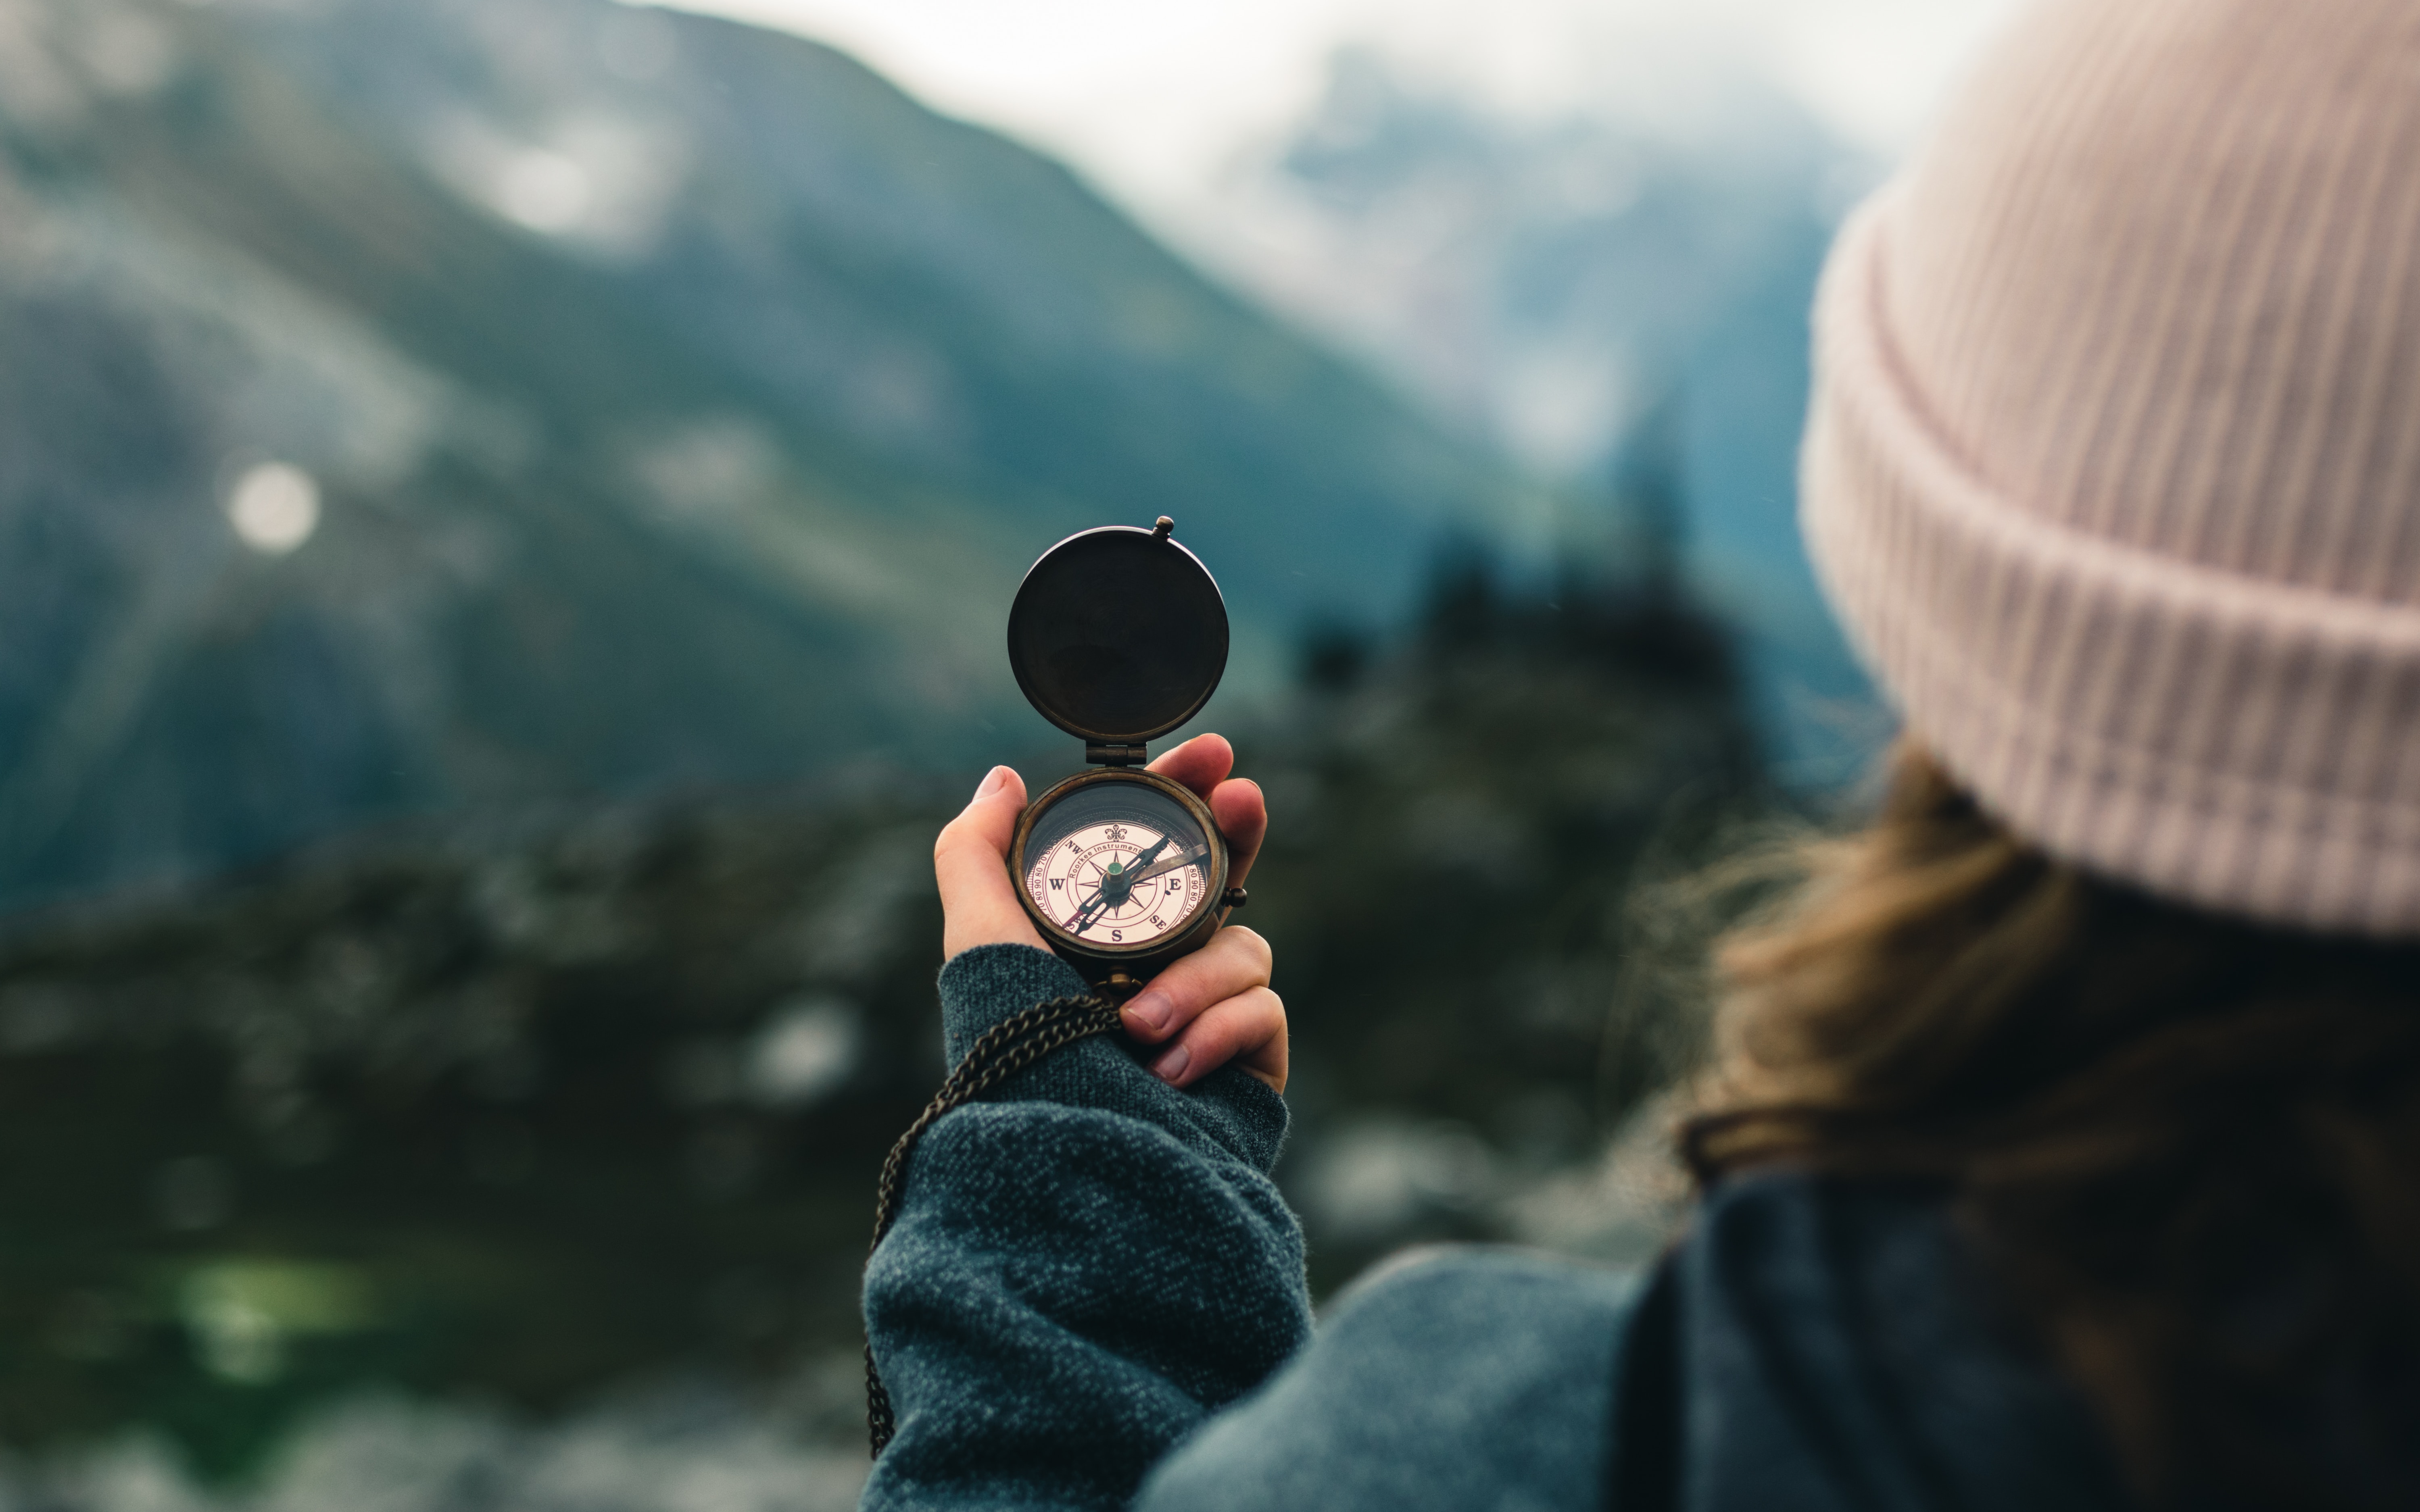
2114	464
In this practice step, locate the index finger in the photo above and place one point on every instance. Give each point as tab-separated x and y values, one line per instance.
1203	763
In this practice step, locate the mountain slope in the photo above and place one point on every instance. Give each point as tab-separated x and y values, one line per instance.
683	402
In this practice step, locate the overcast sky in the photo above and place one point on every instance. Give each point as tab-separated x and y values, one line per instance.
1149	97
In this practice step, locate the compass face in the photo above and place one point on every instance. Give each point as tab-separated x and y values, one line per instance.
1116	864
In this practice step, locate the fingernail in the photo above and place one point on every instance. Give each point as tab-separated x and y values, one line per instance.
992	783
1151	1010
1172	1064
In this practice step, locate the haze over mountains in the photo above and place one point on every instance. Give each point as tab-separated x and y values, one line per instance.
1596	293
681	403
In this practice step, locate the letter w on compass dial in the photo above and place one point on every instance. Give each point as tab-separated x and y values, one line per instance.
1118	872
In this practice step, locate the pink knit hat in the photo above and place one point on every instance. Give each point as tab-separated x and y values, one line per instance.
2114	467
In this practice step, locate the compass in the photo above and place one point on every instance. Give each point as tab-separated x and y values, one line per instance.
1118	636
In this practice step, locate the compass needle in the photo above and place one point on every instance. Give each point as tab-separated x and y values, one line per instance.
1172	864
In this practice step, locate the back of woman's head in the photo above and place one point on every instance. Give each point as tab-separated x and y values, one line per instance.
2189	1145
2114	475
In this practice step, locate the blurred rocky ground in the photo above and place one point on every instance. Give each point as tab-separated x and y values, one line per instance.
517	1110
797	1448
452	1144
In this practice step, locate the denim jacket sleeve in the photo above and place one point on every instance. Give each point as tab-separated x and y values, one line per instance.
1086	1266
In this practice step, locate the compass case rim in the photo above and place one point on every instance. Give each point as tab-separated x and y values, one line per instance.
1143	957
1056	602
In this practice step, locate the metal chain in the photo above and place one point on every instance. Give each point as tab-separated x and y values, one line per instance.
1003	1051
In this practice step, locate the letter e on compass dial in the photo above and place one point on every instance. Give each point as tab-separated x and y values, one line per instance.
1118	883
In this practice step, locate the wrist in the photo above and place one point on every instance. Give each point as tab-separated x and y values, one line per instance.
986	984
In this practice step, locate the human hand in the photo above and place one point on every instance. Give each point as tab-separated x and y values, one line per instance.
1209	1008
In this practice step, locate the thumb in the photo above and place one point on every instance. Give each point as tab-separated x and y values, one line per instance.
979	903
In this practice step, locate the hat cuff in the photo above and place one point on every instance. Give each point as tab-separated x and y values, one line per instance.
2233	742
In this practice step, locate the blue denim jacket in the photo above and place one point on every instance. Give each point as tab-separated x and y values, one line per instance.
1094	1299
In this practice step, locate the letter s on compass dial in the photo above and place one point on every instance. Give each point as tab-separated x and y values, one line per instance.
1117	864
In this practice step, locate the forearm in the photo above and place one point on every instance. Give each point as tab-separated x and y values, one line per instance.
1085	1265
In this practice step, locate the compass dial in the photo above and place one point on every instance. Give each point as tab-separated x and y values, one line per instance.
1116	883
1113	866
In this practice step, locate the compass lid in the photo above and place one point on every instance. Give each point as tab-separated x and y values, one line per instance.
1118	635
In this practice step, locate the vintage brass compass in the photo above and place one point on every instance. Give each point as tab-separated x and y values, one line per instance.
1118	636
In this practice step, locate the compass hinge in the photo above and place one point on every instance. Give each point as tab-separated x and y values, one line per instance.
1100	755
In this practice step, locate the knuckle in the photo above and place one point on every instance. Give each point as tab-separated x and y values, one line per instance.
1221	1035
1249	940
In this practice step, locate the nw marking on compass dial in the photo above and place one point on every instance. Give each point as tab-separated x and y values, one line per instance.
1118	883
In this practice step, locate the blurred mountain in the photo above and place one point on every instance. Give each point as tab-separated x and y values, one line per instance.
1619	297
419	403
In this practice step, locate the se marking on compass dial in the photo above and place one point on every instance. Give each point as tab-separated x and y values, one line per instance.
1118	883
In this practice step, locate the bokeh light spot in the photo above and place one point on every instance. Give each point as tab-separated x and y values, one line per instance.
275	507
544	190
